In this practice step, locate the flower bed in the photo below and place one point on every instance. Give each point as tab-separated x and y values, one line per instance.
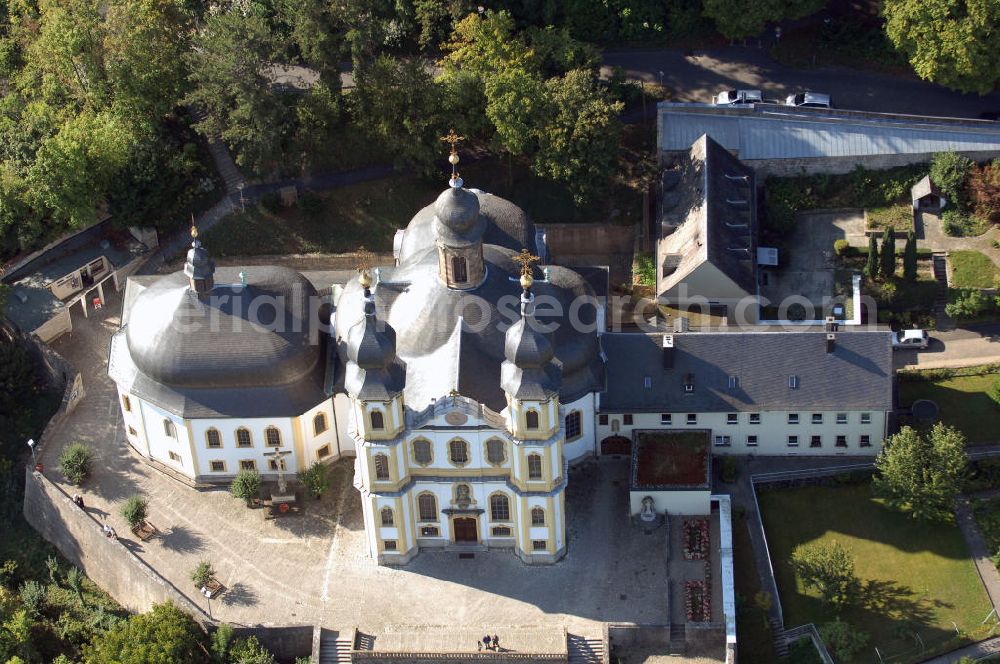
697	601
695	539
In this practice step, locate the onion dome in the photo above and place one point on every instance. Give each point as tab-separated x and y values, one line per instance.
457	222
372	369
199	267
528	371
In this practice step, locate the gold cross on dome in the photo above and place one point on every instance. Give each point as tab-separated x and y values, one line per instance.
365	259
453	139
525	260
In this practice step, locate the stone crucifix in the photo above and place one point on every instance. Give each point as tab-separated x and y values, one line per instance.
279	458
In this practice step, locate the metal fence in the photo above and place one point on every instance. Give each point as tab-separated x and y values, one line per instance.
809	631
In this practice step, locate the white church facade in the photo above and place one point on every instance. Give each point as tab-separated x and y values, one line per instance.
465	382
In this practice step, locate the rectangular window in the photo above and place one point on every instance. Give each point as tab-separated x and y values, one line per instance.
817	418
390	545
866	440
627	419
213	439
666	419
751	441
733	382
866	418
574	425
539	545
323	452
248	464
793	441
501	531
732	418
754	418
841	418
793	418
647	382
602	419
722	441
175	457
429	531
692	418
132	432
841	441
816	441
126	403
217	466
793	382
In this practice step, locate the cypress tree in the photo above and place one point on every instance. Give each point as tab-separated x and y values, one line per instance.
887	267
871	267
910	257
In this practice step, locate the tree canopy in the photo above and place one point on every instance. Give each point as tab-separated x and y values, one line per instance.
947	41
164	635
922	473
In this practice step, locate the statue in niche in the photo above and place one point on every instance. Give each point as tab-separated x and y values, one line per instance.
648	512
463	495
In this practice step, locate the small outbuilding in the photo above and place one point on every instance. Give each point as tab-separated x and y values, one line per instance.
927	196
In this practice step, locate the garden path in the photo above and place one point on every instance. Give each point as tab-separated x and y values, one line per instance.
932	235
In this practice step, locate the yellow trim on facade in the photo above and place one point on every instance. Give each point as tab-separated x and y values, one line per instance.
297	442
195	466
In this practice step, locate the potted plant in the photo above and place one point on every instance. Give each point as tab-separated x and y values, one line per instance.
135	511
204	579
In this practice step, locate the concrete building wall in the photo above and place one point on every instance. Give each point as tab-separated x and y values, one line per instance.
583	445
231	455
172	449
696	501
55	327
772	432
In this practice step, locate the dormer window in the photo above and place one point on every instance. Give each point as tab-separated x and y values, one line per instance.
733	382
793	382
647	382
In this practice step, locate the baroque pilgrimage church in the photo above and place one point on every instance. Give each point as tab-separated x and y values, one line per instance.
464	400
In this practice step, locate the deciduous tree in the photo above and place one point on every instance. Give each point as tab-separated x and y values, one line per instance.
951	42
828	568
164	634
922	473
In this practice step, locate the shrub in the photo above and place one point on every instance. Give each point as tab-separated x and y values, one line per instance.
271	201
134	511
315	479
33	596
74	462
645	269
968	303
949	171
202	574
311	205
250	651
827	567
994	392
843	639
730	470
841	246
246	485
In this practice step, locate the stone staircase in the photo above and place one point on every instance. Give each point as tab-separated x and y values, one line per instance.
678	639
940	264
778	635
333	648
583	650
223	161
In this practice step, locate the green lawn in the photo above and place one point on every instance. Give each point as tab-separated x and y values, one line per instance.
987	513
369	213
899	216
973	269
918	576
963	403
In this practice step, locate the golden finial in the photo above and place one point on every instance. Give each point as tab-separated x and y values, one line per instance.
194	229
527	280
453	139
365	261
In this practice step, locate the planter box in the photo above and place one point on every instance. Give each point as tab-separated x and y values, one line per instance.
145	531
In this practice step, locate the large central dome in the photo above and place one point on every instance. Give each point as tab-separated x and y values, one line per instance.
453	340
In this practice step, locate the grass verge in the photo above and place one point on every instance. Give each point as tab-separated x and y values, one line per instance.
973	269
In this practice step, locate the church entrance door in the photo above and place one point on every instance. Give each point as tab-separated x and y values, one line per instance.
465	530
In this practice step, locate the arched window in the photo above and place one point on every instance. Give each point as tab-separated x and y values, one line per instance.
537	516
272	437
573	422
213	439
534	467
378	420
319	424
458	452
169	429
126	403
381	467
495	453
499	507
243	438
427	507
422	453
531	419
459	269
387	519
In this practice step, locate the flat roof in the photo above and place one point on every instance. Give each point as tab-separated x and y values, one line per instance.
671	459
773	131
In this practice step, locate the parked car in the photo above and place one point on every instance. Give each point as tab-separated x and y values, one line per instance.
910	339
810	100
729	97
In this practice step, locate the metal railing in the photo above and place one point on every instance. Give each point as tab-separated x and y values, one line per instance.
809	630
418	418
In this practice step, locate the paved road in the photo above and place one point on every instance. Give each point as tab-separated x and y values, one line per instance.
696	76
975	344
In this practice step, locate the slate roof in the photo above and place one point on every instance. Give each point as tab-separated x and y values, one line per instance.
773	131
924	187
715	208
856	375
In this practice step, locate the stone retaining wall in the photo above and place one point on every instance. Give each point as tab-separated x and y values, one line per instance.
837	165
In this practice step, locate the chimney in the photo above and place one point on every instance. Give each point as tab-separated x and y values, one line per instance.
830	339
668	351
